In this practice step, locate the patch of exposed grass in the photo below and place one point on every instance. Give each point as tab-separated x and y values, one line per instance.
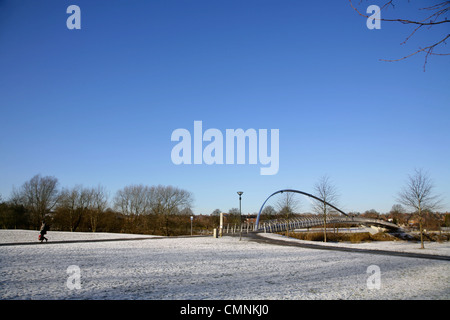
343	237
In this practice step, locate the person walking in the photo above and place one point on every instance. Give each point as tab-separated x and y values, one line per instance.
43	231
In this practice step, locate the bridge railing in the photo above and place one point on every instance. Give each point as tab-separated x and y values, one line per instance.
280	225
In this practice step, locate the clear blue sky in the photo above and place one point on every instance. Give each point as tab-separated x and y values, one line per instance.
98	105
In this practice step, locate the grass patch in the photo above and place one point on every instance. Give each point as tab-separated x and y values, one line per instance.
343	237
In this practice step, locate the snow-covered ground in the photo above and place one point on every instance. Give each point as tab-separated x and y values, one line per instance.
209	268
20	236
433	248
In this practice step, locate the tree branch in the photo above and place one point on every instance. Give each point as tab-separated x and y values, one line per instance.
430	21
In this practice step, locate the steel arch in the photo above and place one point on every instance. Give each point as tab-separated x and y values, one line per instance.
295	191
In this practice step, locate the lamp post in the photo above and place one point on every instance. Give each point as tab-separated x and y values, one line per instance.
192	218
240	215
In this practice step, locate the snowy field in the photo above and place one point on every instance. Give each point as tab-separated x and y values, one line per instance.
20	236
208	268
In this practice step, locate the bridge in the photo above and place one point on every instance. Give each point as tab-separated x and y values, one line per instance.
279	225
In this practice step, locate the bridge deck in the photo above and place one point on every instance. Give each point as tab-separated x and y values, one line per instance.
280	225
308	222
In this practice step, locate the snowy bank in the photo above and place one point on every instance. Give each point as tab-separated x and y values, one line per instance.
434	248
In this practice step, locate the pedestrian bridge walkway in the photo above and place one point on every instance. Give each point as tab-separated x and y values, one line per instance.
280	225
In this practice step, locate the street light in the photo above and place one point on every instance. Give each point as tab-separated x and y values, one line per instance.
192	218
240	215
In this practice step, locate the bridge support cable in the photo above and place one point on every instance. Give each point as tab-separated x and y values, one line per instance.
294	191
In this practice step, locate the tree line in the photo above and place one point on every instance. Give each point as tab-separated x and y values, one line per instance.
160	210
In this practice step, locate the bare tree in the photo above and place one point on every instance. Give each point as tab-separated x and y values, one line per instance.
371	214
168	201
215	215
287	204
233	216
98	205
73	204
325	190
417	194
268	212
397	214
39	195
434	15
134	200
